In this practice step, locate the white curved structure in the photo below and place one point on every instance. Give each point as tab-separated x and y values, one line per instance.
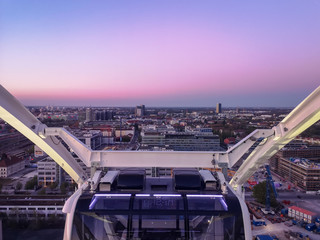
302	117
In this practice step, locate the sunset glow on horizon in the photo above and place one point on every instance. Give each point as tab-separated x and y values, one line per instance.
160	53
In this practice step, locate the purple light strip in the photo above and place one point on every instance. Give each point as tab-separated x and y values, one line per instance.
223	203
93	202
112	195
167	195
206	196
142	195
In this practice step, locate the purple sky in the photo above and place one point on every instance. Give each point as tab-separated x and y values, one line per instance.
160	53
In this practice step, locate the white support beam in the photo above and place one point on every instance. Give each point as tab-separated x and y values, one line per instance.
94	181
15	114
303	116
78	147
306	114
168	159
233	154
69	208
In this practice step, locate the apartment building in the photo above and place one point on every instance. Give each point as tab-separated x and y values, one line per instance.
299	171
48	172
10	165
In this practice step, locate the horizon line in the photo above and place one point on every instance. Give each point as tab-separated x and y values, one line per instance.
89	106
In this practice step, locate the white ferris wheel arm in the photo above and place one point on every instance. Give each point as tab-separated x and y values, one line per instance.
302	117
15	114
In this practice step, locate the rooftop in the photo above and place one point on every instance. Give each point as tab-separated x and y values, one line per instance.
303	210
305	163
6	161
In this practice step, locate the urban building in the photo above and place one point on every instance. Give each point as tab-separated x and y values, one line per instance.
152	139
14	143
124	131
301	151
310	140
89	115
10	165
82	115
140	111
181	141
86	169
165	138
103	115
299	171
301	214
91	138
48	172
218	108
192	142
32	208
299	164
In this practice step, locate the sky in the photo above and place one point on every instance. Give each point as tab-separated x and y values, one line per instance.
160	53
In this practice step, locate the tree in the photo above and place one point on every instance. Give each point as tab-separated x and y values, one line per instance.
30	150
18	186
42	191
53	185
63	187
249	130
259	193
126	138
73	186
31	183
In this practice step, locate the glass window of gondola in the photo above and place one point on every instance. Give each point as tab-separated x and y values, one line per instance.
91	225
212	227
110	202
158	227
159	202
207	203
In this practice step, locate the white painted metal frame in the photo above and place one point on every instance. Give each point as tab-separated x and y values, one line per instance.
303	116
15	114
156	158
168	159
69	208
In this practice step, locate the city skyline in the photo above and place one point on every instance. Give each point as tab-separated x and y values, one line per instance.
161	54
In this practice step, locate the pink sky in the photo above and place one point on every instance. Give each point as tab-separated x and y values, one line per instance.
160	55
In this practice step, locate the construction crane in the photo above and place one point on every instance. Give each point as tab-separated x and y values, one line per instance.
229	217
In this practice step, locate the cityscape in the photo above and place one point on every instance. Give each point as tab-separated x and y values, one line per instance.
34	187
159	120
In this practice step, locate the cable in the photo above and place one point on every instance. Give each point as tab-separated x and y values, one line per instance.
54	142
